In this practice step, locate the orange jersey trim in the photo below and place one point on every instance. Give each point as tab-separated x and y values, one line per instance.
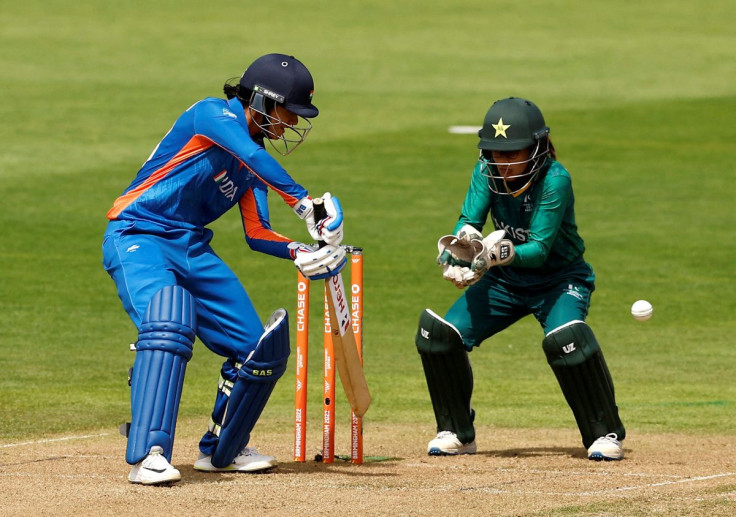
253	227
195	146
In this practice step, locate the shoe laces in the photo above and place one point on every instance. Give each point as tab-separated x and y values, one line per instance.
610	437
249	451
156	459
446	434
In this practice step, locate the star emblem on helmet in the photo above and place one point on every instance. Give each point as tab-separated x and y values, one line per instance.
500	128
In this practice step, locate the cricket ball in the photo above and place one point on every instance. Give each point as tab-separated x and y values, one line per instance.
642	310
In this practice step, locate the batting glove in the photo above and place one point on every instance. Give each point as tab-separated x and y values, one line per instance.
318	263
330	229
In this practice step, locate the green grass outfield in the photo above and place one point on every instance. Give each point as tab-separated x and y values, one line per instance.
640	96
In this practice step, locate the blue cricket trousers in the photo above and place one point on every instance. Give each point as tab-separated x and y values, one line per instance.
142	257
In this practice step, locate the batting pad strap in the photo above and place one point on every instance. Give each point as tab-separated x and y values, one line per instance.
251	390
164	347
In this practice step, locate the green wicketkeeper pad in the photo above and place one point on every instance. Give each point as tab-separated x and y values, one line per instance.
577	361
449	375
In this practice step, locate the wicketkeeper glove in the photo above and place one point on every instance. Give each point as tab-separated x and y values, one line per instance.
494	250
458	250
460	276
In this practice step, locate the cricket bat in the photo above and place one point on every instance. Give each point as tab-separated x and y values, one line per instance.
347	359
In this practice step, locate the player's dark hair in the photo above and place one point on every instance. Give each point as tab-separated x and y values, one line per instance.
552	151
231	90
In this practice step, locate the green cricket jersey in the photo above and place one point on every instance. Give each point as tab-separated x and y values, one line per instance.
540	222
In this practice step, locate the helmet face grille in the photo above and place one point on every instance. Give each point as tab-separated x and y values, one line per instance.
514	185
282	136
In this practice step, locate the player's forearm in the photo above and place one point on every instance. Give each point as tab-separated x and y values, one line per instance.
530	255
275	248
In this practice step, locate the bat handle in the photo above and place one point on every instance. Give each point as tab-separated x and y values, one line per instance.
319	213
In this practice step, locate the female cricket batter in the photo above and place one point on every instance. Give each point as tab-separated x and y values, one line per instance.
173	285
532	264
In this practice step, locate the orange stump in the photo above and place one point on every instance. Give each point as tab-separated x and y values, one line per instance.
328	387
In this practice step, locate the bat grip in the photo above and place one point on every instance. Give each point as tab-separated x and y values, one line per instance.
319	213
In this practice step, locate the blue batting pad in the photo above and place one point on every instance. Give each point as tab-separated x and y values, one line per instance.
252	388
165	342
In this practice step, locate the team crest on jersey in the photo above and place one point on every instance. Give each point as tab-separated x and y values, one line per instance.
527	203
226	185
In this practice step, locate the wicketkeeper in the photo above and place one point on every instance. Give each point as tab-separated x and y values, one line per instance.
175	288
532	263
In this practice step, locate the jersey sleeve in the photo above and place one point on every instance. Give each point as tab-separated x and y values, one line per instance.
216	122
477	203
546	221
258	233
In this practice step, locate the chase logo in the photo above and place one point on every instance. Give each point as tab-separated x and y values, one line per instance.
228	113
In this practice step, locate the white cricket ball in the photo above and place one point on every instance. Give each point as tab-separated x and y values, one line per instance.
642	310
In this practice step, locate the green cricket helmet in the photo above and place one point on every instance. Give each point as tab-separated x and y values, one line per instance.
513	124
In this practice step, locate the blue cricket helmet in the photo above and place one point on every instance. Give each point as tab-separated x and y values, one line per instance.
283	79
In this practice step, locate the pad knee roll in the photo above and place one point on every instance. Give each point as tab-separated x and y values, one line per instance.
449	374
577	361
165	342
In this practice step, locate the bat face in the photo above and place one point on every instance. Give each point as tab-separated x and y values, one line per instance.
340	303
347	359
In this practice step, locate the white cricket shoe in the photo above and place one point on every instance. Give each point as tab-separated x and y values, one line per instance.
606	448
154	469
446	443
249	460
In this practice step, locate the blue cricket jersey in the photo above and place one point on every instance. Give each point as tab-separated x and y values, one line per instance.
207	163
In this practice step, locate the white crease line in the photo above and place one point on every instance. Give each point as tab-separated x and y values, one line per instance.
686	480
501	491
51	440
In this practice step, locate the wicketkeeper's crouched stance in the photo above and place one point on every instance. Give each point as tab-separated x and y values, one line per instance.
532	264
